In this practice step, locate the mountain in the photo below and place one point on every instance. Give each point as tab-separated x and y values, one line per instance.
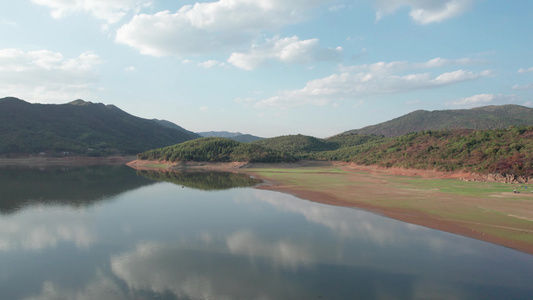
505	151
296	144
169	124
486	117
237	136
81	127
302	146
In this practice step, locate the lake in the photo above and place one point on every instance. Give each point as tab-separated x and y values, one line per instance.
110	232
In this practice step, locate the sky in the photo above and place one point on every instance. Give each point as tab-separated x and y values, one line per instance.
269	67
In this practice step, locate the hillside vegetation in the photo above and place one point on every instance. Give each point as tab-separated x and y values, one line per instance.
505	151
486	117
212	149
303	146
80	127
237	136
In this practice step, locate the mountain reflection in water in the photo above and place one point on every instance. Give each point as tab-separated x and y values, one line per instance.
202	180
75	186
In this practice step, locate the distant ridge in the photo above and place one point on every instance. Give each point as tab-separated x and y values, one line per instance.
80	127
236	136
169	124
486	117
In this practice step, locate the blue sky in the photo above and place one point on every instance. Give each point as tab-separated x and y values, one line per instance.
269	67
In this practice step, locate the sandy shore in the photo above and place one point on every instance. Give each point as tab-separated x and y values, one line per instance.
502	218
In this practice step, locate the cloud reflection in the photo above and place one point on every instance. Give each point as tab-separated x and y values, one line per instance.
361	225
101	288
283	253
39	228
193	274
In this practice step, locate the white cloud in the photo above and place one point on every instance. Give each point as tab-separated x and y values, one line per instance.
521	71
483	99
523	87
204	108
287	50
355	82
211	63
109	10
130	69
423	11
474	100
442	62
394	66
210	26
46	75
458	76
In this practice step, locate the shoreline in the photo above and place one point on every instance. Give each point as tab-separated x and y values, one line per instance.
383	198
387	192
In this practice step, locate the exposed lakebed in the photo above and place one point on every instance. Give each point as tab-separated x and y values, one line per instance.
110	232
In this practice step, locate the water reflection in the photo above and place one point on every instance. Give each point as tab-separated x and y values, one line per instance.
203	274
161	241
101	287
42	228
202	180
75	186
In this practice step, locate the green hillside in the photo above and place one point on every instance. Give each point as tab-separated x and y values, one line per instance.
80	127
486	117
299	145
212	149
505	151
237	136
303	146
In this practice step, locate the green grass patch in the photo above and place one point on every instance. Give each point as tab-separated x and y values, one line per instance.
508	234
311	178
453	186
158	166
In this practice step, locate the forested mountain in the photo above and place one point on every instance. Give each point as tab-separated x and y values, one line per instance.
302	145
296	144
504	151
236	136
80	127
212	149
486	117
169	124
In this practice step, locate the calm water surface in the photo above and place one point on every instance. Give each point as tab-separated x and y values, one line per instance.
112	233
